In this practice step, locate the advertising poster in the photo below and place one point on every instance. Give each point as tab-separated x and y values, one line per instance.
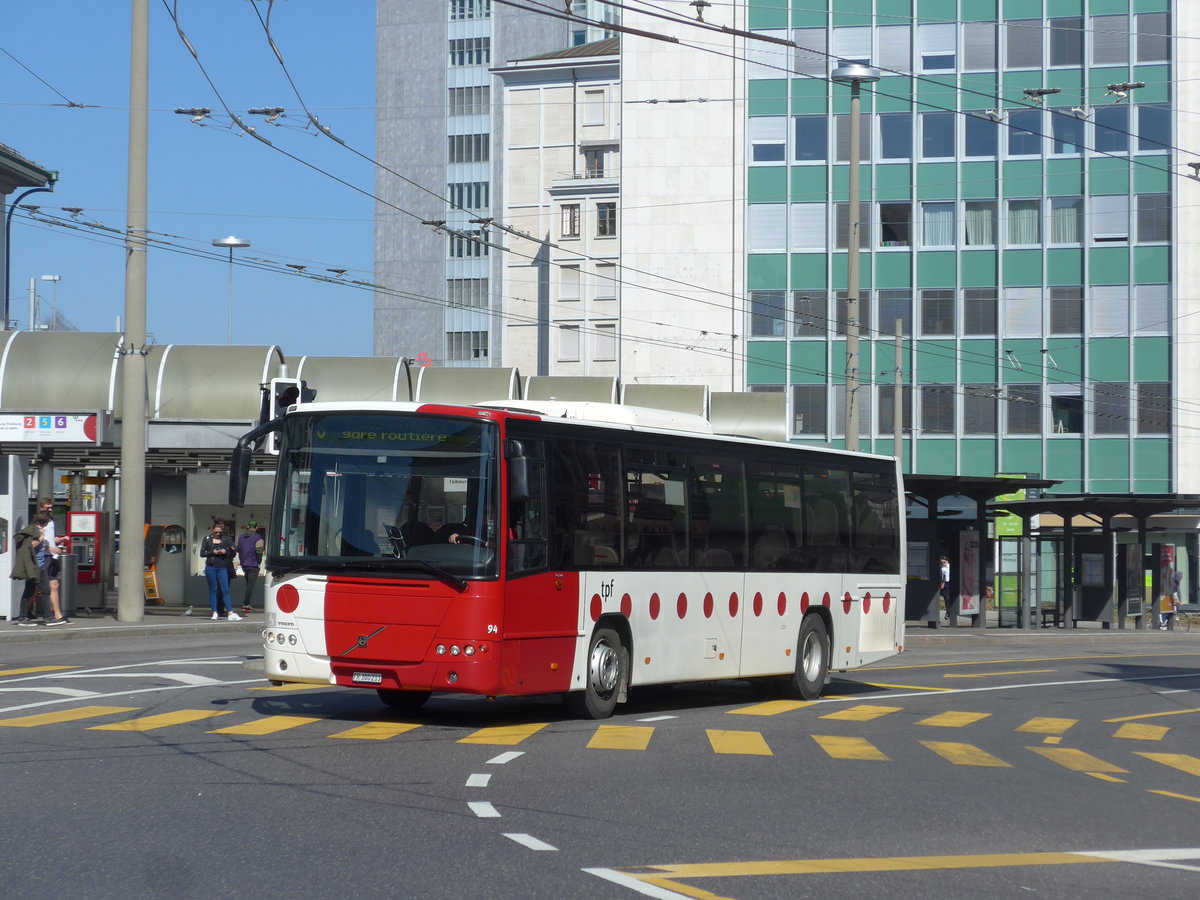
968	573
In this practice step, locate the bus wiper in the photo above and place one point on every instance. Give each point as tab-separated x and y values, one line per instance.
459	584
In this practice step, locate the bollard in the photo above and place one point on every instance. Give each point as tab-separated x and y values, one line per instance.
66	583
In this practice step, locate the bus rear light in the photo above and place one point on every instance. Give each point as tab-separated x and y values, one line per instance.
553	667
440	649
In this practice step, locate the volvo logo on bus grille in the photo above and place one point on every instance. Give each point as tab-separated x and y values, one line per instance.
362	641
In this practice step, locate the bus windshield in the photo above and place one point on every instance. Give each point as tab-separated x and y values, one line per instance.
392	492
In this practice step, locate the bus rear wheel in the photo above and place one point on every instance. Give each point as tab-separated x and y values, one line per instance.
403	700
812	660
607	674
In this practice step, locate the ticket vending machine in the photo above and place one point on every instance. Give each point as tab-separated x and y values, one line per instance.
89	536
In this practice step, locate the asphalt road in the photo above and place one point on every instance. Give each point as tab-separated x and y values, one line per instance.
164	766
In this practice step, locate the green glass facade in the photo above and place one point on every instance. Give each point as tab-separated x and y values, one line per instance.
1016	210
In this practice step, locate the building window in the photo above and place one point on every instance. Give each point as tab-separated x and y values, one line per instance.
842	225
1111	128
895	136
606	220
979	312
893	305
1153	408
887	406
842	126
852	44
893	47
470	195
937	408
1066	410
1151	304
764	59
937	224
810	313
593	107
570	220
979	223
1025	132
1023	38
937	47
839	410
604	343
1067	132
1108	308
466	345
937	135
1024	223
809	57
606	281
811	138
864	310
1110	40
568	343
568	283
768	139
1110	219
1023	408
468	245
810	413
1153	37
1066	41
766	225
1153	218
982	135
980	409
467	293
470	9
808	226
1066	220
766	313
595	162
470	101
1066	310
476	51
979	46
1110	408
1022	312
1154	127
937	313
469	148
895	224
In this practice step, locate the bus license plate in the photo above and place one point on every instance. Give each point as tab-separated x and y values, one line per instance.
367	678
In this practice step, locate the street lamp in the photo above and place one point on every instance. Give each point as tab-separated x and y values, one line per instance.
55	279
231	242
853	74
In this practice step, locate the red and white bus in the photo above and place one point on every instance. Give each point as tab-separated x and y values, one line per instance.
577	548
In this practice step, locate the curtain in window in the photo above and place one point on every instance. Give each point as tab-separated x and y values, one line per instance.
981	225
1064	222
1024	219
938	224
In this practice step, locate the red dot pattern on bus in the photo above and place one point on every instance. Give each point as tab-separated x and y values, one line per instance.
708	605
867	602
887	602
626	605
782	603
681	606
757	605
733	605
654	606
597	607
804	602
847	602
287	598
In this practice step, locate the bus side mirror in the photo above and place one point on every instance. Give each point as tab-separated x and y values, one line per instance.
518	472
239	475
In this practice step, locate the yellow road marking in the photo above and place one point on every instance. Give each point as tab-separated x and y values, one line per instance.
1141	732
994	674
965	754
686	890
1180	761
867	864
1052	739
284	688
744	743
1077	760
770	708
621	737
951	719
267	725
31	670
162	720
65	715
1104	777
1176	796
503	735
1041	725
376	731
905	687
862	713
1174	712
849	748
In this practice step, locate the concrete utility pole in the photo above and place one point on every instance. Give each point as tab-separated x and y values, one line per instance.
131	599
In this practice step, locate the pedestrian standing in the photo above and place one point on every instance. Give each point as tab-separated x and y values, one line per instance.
46	555
944	586
250	553
218	550
25	568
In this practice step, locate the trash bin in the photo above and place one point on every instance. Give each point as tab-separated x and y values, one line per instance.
66	583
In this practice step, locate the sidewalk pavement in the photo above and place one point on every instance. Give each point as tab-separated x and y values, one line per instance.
170	620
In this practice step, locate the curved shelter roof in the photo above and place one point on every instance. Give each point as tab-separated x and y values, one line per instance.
357	377
53	371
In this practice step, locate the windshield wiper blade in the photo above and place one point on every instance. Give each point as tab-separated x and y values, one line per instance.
459	584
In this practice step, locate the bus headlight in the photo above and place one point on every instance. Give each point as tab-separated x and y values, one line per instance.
440	649
469	650
454	651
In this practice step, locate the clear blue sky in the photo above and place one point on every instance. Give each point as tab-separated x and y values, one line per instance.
205	182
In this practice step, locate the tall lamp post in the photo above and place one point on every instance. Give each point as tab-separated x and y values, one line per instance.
231	242
8	215
853	74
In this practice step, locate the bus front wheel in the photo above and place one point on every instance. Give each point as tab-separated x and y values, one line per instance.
403	699
607	674
812	659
